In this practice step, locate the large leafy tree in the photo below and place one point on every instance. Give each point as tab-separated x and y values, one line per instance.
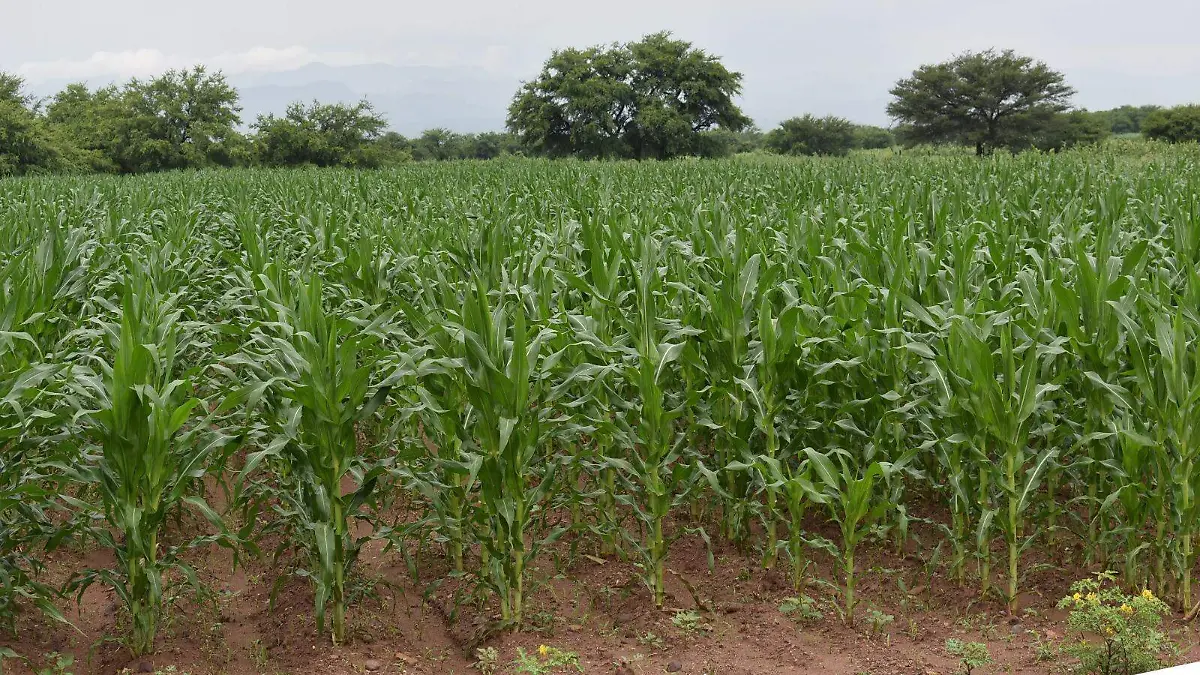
1127	119
322	134
180	119
1180	124
1069	129
99	123
810	135
648	99
991	99
26	145
190	114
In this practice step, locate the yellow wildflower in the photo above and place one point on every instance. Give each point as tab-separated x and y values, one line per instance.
1078	597
1091	597
543	650
1126	609
1108	630
1147	594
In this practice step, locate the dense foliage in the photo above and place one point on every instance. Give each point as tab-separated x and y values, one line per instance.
650	99
657	98
987	99
630	353
1127	119
189	119
1180	124
809	135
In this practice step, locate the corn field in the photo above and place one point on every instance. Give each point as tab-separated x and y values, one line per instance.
799	358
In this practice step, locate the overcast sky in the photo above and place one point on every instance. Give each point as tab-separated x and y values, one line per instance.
832	57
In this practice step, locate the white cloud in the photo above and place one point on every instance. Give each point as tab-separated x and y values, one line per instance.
148	62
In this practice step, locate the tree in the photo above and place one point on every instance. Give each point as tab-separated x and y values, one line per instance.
439	144
322	134
642	100
26	145
98	124
810	135
987	99
391	148
1127	119
191	114
868	137
1065	130
491	144
1180	124
725	143
180	119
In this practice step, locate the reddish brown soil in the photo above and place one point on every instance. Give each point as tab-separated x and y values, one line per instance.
598	609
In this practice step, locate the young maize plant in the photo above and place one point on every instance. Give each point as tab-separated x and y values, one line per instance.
433	370
849	493
656	473
40	281
592	325
506	383
321	369
575	343
24	496
774	355
1167	375
145	445
1001	390
731	298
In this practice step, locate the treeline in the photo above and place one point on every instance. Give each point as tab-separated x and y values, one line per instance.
191	119
653	99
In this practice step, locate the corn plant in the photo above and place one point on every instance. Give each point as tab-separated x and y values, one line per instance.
1000	388
1167	374
849	493
656	473
145	444
505	385
323	372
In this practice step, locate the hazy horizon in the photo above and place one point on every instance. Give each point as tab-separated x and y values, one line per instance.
796	57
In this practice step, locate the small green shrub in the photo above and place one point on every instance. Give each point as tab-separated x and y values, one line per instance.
802	608
1114	633
546	660
690	622
971	655
487	660
878	621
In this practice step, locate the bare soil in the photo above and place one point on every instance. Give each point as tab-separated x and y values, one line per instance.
726	620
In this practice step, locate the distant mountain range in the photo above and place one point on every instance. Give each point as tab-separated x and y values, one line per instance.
413	98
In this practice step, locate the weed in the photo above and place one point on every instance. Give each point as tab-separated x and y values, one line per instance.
487	660
690	622
971	655
57	664
258	653
1115	633
650	640
801	608
878	620
547	660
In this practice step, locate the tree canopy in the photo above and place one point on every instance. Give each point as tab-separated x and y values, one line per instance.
1180	124
320	134
650	99
180	119
656	98
810	135
986	99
